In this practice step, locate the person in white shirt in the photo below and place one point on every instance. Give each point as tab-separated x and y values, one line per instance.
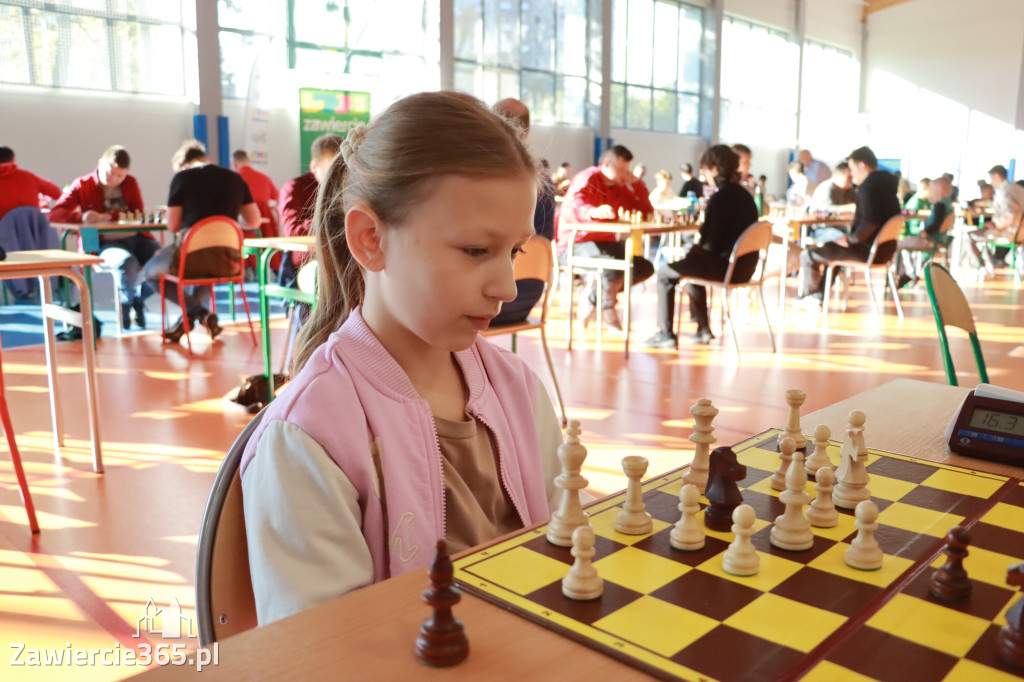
663	191
1007	213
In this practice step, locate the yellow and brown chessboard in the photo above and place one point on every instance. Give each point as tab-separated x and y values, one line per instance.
679	615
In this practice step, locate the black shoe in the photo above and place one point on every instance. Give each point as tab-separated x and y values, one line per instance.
126	316
662	340
139	306
904	280
701	338
174	334
210	322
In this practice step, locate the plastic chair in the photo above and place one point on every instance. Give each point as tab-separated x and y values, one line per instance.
12	446
534	263
215	231
1013	244
890	232
951	308
115	276
225	604
755	239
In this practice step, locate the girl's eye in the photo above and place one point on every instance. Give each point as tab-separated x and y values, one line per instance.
474	251
517	252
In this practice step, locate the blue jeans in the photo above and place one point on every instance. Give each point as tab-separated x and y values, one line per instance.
160	264
129	255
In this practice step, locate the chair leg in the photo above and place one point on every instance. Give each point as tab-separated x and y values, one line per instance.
554	379
827	299
163	311
871	292
19	471
248	314
895	292
184	316
727	315
767	320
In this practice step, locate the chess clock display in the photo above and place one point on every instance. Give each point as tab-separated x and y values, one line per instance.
989	425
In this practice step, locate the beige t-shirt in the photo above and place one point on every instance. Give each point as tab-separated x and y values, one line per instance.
477	508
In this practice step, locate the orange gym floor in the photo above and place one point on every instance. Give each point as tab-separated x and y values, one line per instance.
111	542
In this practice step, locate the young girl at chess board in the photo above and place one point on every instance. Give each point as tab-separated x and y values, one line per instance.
401	425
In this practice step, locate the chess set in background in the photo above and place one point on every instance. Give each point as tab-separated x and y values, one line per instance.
742	551
133	217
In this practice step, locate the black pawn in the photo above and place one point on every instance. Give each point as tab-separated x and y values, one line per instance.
950	582
442	641
723	493
1011	636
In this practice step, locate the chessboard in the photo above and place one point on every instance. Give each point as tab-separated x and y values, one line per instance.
679	615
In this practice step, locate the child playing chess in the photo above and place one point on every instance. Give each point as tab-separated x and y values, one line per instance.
401	425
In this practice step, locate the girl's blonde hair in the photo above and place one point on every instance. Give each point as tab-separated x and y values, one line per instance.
390	166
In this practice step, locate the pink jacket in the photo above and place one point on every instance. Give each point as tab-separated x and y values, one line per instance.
354	400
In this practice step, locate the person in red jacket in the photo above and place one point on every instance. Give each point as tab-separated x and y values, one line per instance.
298	197
596	194
261	187
19	187
99	197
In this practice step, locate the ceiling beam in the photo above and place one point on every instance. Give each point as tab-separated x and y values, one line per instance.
878	5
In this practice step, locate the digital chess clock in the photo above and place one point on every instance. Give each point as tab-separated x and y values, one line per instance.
989	425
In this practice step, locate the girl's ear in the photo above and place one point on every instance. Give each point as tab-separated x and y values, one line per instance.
364	234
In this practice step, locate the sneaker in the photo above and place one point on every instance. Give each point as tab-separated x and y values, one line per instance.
662	340
210	322
904	280
701	338
587	313
139	307
809	302
611	319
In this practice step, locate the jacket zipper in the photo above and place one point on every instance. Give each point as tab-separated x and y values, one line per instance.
440	463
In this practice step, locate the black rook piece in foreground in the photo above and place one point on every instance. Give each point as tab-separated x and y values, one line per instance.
723	493
950	581
442	641
1011	637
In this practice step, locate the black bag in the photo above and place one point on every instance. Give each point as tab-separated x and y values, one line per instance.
252	393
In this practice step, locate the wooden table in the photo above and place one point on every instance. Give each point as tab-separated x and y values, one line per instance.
266	247
369	634
633	234
56	263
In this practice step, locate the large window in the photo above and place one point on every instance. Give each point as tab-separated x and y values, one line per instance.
533	50
759	85
656	66
133	46
828	103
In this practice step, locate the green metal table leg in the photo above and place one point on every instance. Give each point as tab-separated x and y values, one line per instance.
264	267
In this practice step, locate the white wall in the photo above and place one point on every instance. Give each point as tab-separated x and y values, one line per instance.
969	52
60	136
559	143
835	22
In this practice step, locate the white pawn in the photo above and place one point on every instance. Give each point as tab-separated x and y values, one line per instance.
787	446
794	398
851	476
570	515
688	533
864	552
741	558
792	530
582	582
703	435
822	512
634	519
819	458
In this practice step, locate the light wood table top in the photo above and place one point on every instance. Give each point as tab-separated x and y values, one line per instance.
45	259
302	243
370	633
110	227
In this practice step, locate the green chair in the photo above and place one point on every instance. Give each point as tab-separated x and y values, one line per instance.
951	308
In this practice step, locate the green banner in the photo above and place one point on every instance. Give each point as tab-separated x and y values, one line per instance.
328	111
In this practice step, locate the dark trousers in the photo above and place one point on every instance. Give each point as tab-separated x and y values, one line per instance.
130	255
704	265
814	260
613	279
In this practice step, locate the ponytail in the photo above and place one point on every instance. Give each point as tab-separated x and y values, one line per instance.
339	279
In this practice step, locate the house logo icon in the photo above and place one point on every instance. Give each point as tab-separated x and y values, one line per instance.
169	623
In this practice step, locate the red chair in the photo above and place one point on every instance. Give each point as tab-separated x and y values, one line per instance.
19	472
215	231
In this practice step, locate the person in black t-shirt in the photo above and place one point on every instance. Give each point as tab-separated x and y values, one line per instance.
199	190
730	211
690	183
